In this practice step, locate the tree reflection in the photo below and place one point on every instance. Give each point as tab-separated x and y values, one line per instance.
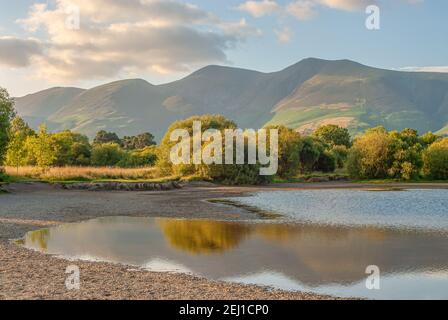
277	232
39	238
203	237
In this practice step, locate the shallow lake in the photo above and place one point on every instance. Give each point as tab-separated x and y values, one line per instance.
419	208
317	257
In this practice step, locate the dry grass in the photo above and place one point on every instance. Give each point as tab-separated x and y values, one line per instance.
82	173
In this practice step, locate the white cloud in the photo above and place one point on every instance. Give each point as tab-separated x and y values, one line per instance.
260	8
442	69
116	36
302	9
306	9
347	5
16	52
284	35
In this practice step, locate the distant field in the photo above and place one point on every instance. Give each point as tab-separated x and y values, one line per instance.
309	118
81	173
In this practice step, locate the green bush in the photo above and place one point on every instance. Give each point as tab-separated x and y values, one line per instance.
145	157
73	148
407	152
3	176
289	148
371	155
310	153
340	154
107	154
436	160
326	162
230	174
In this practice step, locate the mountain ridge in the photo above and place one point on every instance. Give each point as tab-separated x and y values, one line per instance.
304	95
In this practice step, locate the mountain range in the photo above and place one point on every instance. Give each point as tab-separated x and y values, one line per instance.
303	96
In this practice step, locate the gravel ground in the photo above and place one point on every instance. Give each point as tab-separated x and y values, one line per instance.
26	274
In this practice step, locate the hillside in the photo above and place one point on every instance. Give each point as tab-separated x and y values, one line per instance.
38	107
302	96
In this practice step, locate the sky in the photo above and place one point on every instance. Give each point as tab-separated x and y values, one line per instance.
84	43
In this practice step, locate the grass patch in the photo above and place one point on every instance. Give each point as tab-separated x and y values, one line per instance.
81	174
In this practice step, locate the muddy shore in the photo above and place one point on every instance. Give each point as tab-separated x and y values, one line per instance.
25	274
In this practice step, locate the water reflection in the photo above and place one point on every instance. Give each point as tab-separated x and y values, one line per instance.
39	238
309	257
203	237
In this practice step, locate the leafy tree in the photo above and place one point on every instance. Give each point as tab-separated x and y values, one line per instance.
138	142
289	148
81	153
407	154
74	148
43	148
107	154
103	137
6	115
18	133
326	162
340	154
371	155
428	139
436	160
310	153
333	135
229	173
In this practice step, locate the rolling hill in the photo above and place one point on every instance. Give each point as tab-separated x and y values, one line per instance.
303	96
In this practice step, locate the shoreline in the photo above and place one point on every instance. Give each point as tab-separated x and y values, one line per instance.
24	273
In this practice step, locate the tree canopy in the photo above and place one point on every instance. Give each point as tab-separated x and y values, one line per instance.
333	135
7	114
106	137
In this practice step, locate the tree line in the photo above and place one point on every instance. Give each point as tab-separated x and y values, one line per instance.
375	154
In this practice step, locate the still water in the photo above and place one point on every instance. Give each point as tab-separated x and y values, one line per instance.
419	208
325	255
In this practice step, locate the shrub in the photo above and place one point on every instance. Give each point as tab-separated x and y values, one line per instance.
42	148
371	155
230	174
407	154
73	148
289	148
2	175
436	160
139	158
340	154
310	153
326	162
107	154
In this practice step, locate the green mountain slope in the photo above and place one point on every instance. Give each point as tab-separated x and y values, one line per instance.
38	107
302	96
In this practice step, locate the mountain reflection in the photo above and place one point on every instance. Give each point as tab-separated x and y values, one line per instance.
314	255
